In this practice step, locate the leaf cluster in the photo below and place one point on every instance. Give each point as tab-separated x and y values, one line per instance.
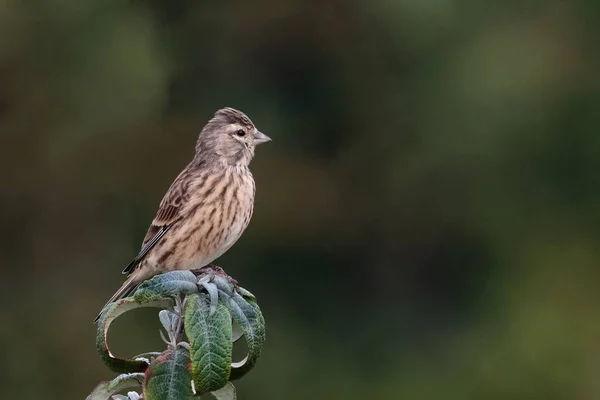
203	316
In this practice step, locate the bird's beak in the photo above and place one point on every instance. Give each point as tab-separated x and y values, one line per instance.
260	137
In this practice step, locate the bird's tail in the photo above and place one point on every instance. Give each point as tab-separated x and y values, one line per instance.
125	290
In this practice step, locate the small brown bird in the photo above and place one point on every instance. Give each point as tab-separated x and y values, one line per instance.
207	207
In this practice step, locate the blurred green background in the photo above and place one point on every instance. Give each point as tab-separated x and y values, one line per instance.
427	220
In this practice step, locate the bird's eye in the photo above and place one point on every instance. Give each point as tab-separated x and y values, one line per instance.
240	132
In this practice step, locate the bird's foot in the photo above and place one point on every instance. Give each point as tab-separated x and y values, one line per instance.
213	271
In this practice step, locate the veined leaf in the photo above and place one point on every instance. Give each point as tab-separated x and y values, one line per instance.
168	377
168	320
246	294
212	291
112	312
210	343
223	284
122	382
246	313
155	292
166	285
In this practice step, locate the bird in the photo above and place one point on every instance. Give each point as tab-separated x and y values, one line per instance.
207	207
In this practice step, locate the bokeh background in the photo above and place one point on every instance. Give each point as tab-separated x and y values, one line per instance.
427	221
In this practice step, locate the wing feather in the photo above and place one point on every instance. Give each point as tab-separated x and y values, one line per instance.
169	212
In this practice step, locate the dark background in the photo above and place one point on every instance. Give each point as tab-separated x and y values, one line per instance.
427	221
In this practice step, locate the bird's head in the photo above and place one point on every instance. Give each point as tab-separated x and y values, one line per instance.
229	137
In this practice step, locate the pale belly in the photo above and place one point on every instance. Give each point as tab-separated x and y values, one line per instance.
202	251
225	244
193	243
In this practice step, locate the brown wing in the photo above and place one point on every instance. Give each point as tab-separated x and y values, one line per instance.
168	213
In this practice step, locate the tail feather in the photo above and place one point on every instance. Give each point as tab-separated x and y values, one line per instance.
125	290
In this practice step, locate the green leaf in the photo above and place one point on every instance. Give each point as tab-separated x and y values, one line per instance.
223	284
168	377
168	320
237	332
210	343
246	313
122	382
227	392
212	291
246	294
167	285
155	292
113	311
